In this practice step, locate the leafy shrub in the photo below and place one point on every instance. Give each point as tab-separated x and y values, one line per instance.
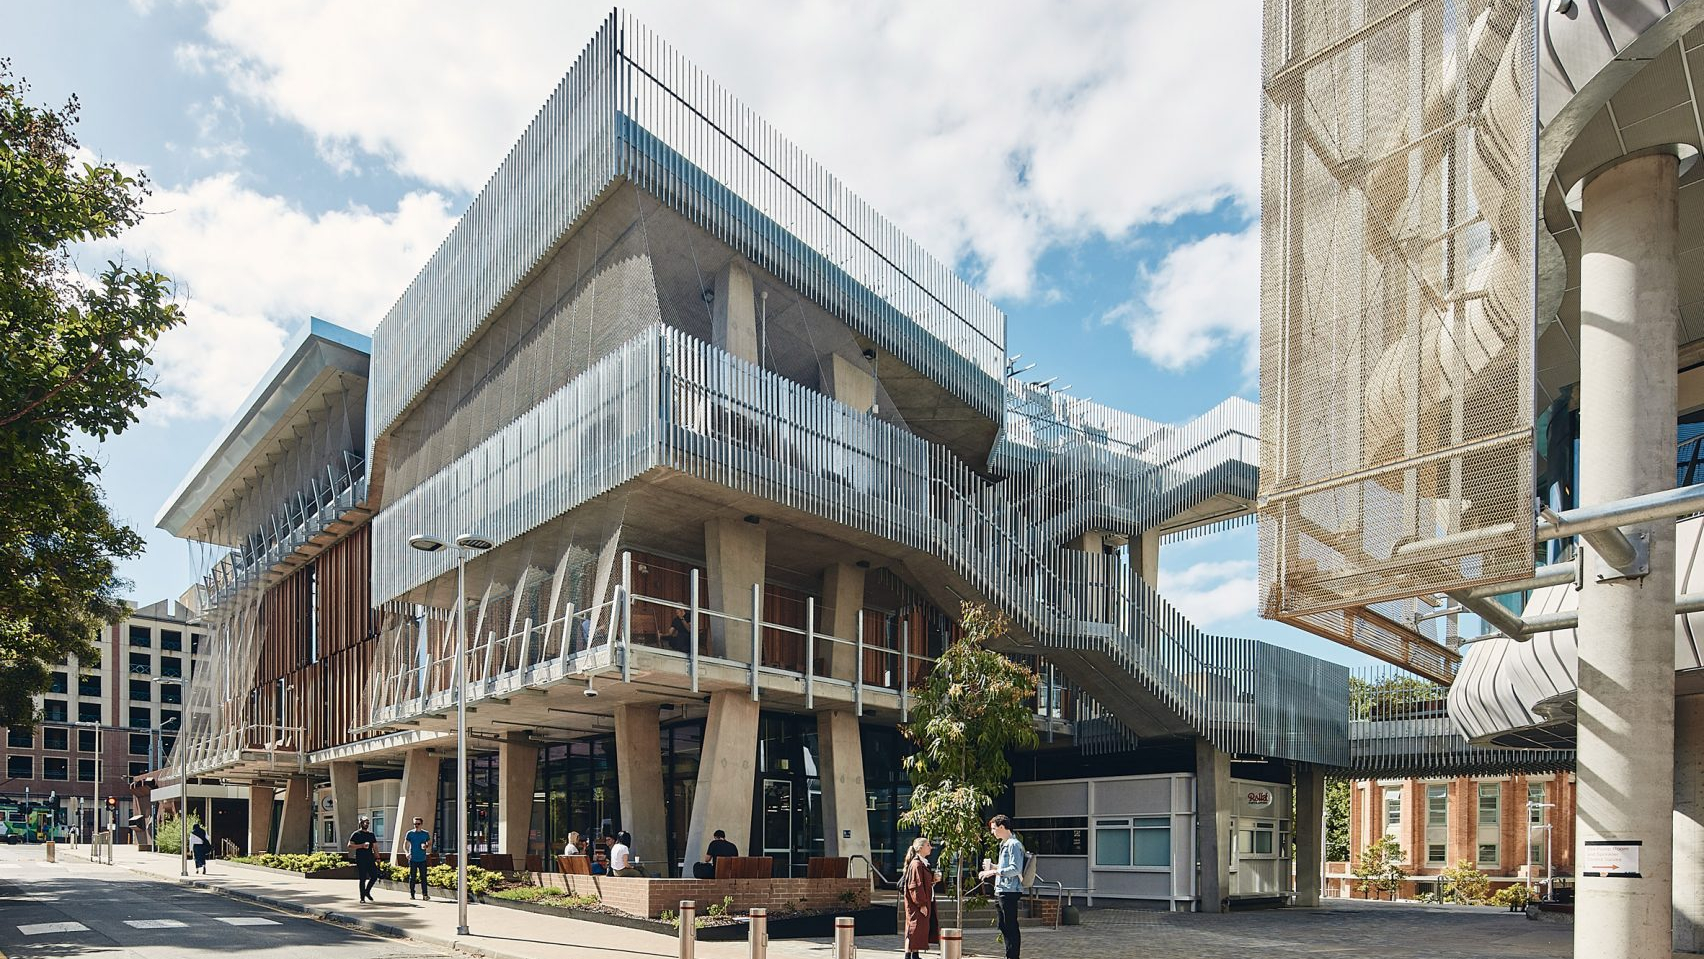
168	834
1464	883
1379	867
1515	896
722	908
296	862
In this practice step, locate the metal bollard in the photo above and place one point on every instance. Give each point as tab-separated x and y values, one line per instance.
952	944
688	928
757	934
844	947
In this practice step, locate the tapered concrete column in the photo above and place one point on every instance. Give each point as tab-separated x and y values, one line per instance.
345	799
261	800
517	765
1145	555
419	798
734	554
296	824
840	756
1310	832
1629	306
733	313
842	597
848	382
727	774
1212	825
1689	825
639	772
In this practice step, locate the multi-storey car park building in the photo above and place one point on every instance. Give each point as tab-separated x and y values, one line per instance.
1453	353
739	451
104	725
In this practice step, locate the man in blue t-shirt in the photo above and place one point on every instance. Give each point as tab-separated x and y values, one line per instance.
419	842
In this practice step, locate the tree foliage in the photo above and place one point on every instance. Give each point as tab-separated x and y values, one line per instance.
1338	793
73	361
1380	868
168	833
1464	883
1387	697
974	706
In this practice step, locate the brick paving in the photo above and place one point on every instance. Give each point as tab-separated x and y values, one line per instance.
1339	928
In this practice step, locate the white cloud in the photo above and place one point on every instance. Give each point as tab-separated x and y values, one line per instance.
1213	591
1203	296
988	132
249	267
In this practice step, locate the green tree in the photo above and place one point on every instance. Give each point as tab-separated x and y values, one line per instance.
1387	696
974	706
1338	793
73	362
168	833
1379	867
1464	883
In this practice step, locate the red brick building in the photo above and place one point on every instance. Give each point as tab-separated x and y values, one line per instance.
1483	819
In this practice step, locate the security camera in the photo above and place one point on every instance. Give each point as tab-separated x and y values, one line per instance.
589	692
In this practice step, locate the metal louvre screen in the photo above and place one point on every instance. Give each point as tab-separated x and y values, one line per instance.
1398	186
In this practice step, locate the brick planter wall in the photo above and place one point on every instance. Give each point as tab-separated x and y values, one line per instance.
652	897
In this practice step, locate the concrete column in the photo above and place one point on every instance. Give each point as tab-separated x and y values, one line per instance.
1212	825
1689	825
849	382
296	825
419	798
727	771
734	555
639	773
840	757
1310	832
733	313
842	597
345	799
517	765
261	798
1629	306
1145	555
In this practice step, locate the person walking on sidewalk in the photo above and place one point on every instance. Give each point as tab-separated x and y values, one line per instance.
199	844
1008	876
419	843
366	846
917	886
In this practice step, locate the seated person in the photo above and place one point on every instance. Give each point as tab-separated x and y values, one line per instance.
572	846
621	857
719	847
600	864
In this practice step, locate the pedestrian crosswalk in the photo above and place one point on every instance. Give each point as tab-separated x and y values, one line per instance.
155	923
48	928
43	928
246	921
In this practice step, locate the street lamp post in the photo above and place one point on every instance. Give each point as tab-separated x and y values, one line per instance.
100	760
181	747
464	544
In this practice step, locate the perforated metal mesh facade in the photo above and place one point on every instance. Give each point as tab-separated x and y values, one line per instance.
1397	300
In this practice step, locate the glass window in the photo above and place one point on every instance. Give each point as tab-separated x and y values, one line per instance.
55	767
20	767
1392	807
141	690
88	685
194	643
1490	836
172	694
20	738
139	744
85	770
141	636
141	717
86	740
171	666
141	769
141	663
53	710
171	639
1142	841
60	683
1537	816
1490	803
59	739
169	719
1437	823
88	712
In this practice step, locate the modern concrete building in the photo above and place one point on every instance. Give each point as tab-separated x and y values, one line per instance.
1467	365
727	452
106	724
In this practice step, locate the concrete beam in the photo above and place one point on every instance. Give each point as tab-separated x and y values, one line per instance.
840	750
345	799
848	382
733	313
296	825
261	801
727	773
1213	825
419	797
842	597
517	769
639	770
734	556
1310	832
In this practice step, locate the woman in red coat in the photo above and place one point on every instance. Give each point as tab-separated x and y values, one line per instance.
918	887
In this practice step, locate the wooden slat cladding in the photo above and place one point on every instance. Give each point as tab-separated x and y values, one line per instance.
286	624
346	615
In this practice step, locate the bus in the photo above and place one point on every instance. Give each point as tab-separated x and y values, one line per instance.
24	820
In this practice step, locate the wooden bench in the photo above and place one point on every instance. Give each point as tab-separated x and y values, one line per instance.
497	862
827	867
745	867
574	865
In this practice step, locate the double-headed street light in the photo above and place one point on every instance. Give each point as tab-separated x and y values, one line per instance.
464	544
180	745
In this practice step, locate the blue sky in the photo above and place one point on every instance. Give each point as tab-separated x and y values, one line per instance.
1094	169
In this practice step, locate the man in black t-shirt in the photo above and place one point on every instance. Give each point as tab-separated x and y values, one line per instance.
719	847
366	846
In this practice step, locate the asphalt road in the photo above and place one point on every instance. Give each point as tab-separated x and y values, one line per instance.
77	908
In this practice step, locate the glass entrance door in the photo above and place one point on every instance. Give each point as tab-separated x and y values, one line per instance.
778	824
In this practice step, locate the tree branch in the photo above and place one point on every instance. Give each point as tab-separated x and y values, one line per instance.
76	377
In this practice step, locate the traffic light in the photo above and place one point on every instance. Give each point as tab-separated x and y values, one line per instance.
112	802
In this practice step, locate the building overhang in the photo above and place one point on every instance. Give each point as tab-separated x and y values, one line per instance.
315	361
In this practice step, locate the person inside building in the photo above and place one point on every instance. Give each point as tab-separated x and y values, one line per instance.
719	847
419	843
621	861
1008	875
366	846
917	887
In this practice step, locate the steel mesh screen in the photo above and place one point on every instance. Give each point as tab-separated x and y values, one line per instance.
1397	300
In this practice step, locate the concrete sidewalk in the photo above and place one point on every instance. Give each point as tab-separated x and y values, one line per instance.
497	932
